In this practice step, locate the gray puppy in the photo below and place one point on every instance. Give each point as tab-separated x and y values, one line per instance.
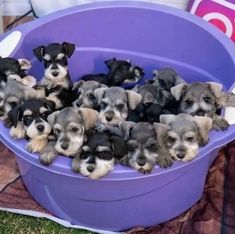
145	148
69	126
115	102
85	91
204	99
185	134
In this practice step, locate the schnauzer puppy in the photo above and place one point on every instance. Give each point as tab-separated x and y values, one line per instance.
33	116
85	91
204	99
184	134
145	148
99	154
69	126
56	80
11	68
115	102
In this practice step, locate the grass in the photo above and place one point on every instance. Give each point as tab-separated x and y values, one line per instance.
20	224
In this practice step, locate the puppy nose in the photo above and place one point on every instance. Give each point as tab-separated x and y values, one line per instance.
109	115
180	155
40	128
64	145
200	112
91	168
55	73
141	161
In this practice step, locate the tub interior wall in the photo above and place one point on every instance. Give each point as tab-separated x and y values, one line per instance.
154	40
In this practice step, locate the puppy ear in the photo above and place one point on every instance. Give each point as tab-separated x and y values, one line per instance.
167	119
78	84
119	146
133	99
14	115
24	64
179	80
204	125
178	90
109	63
125	127
89	116
160	131
216	88
39	52
99	93
52	117
49	105
69	48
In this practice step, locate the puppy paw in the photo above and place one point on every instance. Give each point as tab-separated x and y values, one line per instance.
47	157
17	132
76	165
219	124
145	171
165	161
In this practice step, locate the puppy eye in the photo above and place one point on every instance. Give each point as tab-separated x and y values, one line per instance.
103	105
152	147
171	140
74	129
207	99
105	155
92	96
131	148
44	115
120	106
84	155
57	131
189	102
190	139
28	117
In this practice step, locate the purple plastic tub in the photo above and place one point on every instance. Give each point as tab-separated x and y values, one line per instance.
153	36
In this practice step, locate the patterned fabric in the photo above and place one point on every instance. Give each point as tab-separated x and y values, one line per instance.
213	214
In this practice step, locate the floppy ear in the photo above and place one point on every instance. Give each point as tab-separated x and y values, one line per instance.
109	63
39	52
69	48
125	127
119	146
160	131
133	99
167	119
78	84
52	117
89	116
99	93
24	64
179	80
14	114
178	90
216	88
49	104
204	125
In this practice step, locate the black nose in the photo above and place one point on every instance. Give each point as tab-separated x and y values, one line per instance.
141	161
180	155
40	127
91	168
55	73
200	112
64	145
109	115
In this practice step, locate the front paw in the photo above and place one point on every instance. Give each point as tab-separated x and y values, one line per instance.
145	171
76	165
219	124
165	161
17	132
47	157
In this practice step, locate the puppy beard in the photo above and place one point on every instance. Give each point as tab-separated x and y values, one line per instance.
102	168
118	117
192	110
33	133
56	80
74	147
190	154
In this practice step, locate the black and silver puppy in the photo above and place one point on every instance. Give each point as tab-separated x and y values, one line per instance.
33	116
185	134
99	154
69	126
204	99
56	80
145	148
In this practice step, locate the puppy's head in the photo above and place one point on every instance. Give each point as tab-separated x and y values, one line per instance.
69	126
122	71
55	58
185	135
85	91
11	68
198	98
114	104
142	145
33	114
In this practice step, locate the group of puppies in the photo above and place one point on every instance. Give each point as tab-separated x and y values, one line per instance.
98	123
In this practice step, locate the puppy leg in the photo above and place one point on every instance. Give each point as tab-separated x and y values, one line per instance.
76	164
164	159
48	154
37	145
219	123
17	132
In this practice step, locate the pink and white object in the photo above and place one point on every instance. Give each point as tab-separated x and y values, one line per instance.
221	13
